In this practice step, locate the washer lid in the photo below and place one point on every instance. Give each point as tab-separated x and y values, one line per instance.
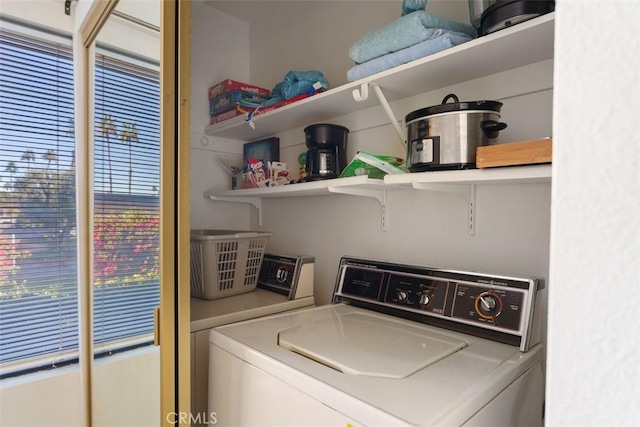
359	344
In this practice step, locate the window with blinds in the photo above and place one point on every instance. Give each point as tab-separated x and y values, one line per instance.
38	280
126	185
38	258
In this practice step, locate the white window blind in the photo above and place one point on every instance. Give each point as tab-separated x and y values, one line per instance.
126	182
38	284
38	262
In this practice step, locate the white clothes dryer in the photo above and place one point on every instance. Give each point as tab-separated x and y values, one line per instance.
401	346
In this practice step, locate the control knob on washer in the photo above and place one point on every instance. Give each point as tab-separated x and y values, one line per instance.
424	299
402	296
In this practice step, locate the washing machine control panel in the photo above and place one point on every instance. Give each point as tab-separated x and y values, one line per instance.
485	305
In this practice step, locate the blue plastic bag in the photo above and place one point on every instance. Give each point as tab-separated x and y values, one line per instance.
298	82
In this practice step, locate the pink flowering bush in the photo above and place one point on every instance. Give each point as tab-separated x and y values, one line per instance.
126	247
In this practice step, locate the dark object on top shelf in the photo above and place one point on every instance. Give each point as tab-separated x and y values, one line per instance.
488	16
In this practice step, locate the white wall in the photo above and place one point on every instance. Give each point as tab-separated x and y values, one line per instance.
316	32
219	51
593	376
127	389
49	398
126	393
47	13
122	35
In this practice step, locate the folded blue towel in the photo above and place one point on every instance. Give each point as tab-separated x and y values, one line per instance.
406	31
442	40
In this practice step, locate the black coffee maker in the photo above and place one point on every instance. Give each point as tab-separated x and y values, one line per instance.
327	154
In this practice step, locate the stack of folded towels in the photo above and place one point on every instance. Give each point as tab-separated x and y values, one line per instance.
414	35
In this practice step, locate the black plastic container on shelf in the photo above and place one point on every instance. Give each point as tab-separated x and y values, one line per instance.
488	16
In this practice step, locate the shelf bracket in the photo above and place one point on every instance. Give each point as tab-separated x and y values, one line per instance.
467	191
379	195
254	201
362	94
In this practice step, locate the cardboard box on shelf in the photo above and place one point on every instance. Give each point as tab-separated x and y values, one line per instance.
227	101
230	85
217	118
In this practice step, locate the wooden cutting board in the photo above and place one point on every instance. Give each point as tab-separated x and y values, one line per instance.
515	153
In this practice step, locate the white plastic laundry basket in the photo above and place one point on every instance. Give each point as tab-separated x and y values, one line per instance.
225	262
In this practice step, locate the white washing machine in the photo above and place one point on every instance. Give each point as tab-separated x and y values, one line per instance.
401	346
285	284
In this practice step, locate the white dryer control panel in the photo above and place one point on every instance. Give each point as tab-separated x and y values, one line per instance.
489	306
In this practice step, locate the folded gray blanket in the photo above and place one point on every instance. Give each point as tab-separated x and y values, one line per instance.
406	31
441	40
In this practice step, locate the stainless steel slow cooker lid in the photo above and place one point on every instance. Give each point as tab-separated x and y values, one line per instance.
455	106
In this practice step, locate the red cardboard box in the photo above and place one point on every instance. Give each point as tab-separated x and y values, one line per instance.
229	85
224	116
